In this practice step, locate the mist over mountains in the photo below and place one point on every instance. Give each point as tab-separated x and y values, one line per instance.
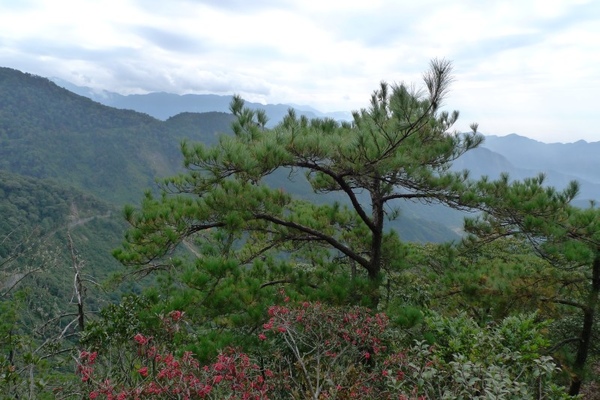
165	105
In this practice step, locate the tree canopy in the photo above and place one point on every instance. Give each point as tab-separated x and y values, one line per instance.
567	237
400	148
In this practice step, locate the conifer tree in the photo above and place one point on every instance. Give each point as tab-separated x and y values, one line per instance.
400	148
566	236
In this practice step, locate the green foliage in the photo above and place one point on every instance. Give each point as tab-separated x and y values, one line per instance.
566	236
493	280
503	361
39	222
522	334
29	367
34	251
398	149
311	350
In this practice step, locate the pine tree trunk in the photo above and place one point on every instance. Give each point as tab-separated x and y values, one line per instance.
376	245
587	330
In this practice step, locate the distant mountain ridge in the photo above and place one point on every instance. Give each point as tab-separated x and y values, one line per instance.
483	161
163	105
520	156
560	162
581	158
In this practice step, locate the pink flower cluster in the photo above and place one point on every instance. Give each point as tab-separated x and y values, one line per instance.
85	367
326	341
162	374
341	346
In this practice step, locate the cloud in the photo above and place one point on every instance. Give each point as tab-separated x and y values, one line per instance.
168	40
21	5
517	63
243	6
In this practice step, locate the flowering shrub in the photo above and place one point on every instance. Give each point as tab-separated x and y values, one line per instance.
314	351
232	376
327	352
152	371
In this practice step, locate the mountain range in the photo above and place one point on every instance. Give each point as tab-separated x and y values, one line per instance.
65	158
162	105
115	146
517	155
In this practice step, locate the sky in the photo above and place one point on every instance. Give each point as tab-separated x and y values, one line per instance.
520	66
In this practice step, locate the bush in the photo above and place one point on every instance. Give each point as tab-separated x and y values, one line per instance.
315	351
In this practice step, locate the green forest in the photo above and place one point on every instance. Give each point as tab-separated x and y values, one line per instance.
218	256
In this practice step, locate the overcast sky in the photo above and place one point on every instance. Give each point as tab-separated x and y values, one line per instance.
521	66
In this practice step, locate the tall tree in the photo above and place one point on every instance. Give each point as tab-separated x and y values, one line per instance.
566	236
400	148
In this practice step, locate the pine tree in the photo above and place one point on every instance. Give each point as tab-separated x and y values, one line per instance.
400	148
566	236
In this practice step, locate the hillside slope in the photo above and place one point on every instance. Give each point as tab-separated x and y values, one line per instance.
49	132
38	217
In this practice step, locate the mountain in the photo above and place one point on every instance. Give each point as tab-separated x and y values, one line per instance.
49	132
165	105
522	157
68	164
579	158
561	162
519	156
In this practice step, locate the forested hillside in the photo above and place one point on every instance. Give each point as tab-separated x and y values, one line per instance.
48	132
52	232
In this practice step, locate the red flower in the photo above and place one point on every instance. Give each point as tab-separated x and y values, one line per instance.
176	315
219	366
143	371
141	339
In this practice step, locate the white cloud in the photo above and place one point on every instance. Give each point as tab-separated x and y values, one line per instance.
522	66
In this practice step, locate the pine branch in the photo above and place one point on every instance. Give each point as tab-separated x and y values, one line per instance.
318	236
339	179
